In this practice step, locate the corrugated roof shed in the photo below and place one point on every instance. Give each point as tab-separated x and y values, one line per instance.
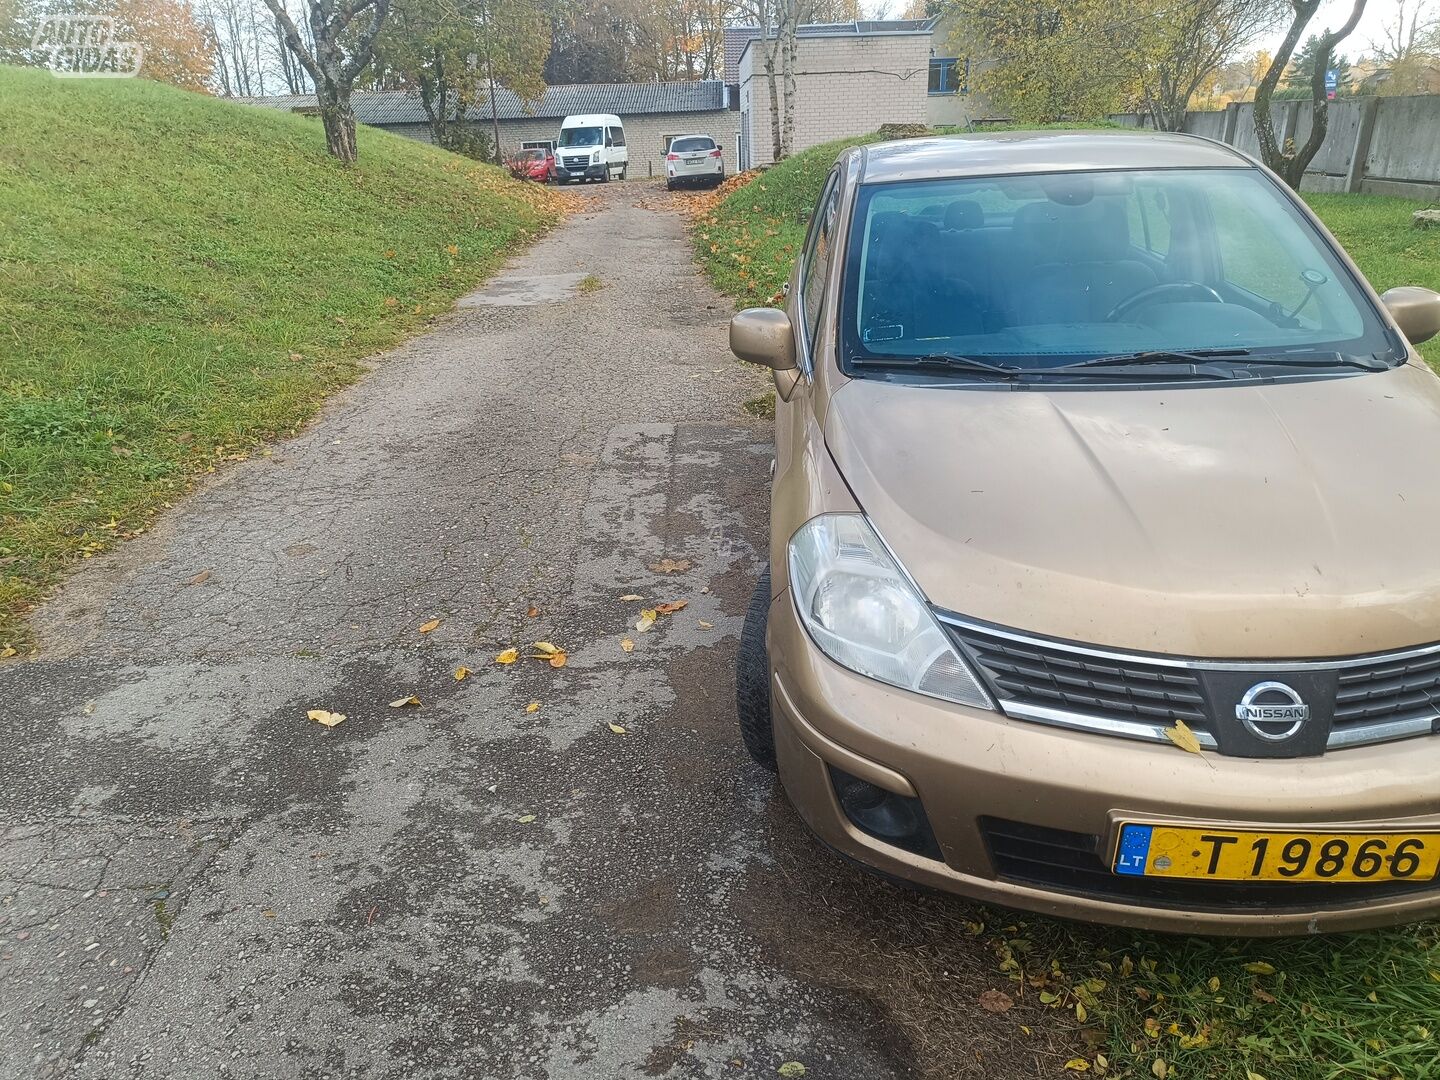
623	99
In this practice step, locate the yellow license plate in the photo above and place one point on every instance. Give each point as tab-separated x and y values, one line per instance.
1171	851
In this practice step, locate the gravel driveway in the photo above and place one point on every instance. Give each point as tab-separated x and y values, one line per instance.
196	880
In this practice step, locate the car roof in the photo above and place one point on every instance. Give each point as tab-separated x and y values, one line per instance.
1020	152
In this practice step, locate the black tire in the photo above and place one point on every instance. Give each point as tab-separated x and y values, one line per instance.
669	185
752	679
624	170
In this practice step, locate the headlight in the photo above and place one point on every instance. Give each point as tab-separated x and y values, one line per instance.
863	612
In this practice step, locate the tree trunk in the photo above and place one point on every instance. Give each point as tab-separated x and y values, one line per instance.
787	104
1320	102
339	121
776	146
1271	152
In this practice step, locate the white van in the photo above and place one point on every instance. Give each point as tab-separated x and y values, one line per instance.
591	147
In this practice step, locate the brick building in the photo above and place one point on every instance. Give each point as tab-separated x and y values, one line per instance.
852	77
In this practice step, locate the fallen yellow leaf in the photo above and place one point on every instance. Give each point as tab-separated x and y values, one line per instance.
509	656
534	706
545	647
532	612
670	566
10	651
617	729
1159	1069
1080	1013
1260	967
557	660
632	596
705	625
431	625
323	716
627	644
461	673
525	819
1077	1065
647	620
402	702
670	609
791	1069
1183	737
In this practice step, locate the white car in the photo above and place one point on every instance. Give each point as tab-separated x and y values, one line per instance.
693	159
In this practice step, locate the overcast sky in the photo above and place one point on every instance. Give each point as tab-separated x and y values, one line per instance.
1370	29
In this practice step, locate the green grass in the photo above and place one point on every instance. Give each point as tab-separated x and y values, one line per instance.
1376	231
183	278
1346	1007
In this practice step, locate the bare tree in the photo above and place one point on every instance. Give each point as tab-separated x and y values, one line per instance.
1410	49
1290	163
334	58
1192	43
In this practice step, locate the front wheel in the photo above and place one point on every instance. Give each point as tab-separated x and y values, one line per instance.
752	679
624	171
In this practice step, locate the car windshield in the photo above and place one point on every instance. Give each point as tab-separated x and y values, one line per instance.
1041	271
692	145
582	136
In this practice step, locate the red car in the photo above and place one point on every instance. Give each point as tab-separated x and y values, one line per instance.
533	164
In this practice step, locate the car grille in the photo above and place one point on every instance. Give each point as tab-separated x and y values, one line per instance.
1070	862
1383	691
576	162
1379	698
1122	690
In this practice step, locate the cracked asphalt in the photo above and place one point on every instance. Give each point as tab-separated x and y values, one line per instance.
198	881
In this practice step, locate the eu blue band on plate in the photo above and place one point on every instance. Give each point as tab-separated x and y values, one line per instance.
1134	849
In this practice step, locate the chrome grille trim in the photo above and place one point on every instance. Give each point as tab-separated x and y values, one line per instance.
1125	729
1392	687
1164	660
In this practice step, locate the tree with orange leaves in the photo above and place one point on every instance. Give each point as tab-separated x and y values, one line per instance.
177	45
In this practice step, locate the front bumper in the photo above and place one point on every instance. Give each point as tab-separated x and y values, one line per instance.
972	769
589	172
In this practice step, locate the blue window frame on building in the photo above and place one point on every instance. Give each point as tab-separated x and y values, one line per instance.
949	75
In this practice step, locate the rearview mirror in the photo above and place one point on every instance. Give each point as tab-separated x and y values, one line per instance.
1415	310
763	336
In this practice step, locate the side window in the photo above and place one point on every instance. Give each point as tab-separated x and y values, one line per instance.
817	256
619	135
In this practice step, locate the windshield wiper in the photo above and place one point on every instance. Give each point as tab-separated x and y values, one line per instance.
947	362
1323	360
1156	356
957	362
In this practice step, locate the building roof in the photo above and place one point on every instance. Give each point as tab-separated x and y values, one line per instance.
1017	153
624	99
738	37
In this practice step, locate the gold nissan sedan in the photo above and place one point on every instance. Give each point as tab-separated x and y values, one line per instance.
1103	576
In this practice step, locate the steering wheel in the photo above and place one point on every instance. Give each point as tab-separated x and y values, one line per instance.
1167	291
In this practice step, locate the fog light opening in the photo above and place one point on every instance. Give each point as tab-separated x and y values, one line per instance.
888	817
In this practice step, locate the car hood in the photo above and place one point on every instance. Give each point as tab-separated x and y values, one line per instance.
1281	521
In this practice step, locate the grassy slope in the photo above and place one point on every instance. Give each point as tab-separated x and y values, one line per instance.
182	278
1353	1006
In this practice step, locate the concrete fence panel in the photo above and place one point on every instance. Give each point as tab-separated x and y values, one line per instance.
1384	146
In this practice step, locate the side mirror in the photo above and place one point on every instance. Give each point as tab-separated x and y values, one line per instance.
1415	310
763	336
